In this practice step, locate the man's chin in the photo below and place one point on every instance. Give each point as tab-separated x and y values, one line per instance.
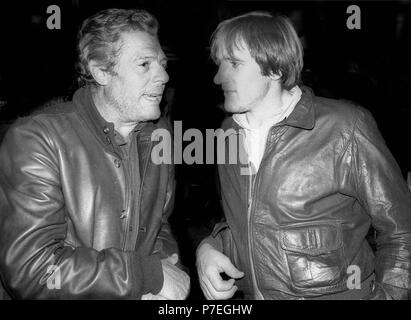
232	108
153	116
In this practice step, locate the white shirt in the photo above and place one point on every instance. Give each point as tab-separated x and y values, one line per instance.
256	137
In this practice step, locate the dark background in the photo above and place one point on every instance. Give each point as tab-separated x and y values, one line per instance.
370	66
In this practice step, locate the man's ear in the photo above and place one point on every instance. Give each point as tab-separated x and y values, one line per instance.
101	76
276	77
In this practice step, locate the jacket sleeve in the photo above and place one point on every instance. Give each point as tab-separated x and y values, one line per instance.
215	239
221	229
383	192
35	262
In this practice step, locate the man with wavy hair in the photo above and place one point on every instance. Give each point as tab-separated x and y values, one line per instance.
319	176
83	210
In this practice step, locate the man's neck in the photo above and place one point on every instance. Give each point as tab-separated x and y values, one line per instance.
271	106
110	114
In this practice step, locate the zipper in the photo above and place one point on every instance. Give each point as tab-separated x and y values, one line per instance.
250	210
250	205
250	243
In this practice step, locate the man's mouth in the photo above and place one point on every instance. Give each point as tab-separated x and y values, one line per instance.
153	96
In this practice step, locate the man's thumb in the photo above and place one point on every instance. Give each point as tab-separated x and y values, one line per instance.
173	259
232	271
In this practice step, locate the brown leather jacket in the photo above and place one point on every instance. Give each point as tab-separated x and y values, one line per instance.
297	225
70	198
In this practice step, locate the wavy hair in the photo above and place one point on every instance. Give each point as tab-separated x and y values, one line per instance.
99	38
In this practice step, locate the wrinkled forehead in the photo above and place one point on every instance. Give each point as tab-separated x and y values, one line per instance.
228	46
140	43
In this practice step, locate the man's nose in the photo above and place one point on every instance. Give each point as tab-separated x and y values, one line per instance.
217	77
162	75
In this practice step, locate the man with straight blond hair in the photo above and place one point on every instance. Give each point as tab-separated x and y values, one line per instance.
319	176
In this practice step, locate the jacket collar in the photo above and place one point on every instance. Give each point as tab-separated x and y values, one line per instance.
303	115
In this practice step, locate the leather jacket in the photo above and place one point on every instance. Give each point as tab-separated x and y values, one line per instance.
71	200
297	225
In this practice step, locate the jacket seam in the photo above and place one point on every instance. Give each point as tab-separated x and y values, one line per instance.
133	276
345	149
50	143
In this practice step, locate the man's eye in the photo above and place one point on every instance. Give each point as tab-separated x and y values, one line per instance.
144	64
234	64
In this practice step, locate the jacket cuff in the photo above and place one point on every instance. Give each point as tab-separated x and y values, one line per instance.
215	242
152	274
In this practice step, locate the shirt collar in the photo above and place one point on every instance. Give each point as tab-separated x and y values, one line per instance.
303	114
280	115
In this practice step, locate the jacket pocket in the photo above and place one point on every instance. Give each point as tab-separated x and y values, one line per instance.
314	253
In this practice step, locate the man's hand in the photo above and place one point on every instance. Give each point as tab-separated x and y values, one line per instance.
210	263
176	283
150	296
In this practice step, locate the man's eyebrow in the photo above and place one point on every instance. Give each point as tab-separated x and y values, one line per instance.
230	58
148	57
141	57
